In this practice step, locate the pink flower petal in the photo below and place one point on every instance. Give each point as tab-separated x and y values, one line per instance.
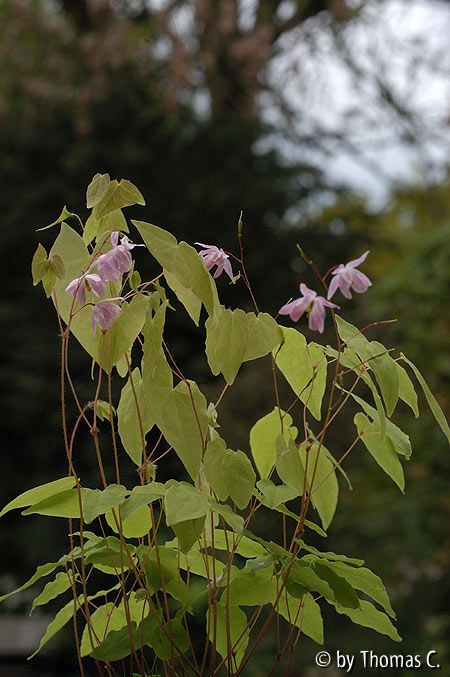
294	309
307	292
316	319
361	282
357	262
104	315
97	284
212	256
228	269
334	286
77	289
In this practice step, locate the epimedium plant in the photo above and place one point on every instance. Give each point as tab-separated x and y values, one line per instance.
213	566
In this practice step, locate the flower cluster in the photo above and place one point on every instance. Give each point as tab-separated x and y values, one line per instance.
313	304
346	277
110	267
213	256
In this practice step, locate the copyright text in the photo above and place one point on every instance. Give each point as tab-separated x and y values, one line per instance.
370	660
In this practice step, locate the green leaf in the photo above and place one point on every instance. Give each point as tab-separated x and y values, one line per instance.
305	369
232	622
251	588
399	439
41	571
315	576
324	490
199	564
276	494
101	228
117	643
39	493
406	391
65	214
39	264
350	360
162	569
184	502
186	296
432	402
110	552
49	281
141	496
157	376
170	640
64	504
264	335
134	417
119	194
104	410
314	394
97	189
108	618
136	525
227	335
234	337
64	615
332	556
118	341
382	450
182	261
212	464
135	280
316	528
303	613
289	465
385	370
104	619
184	424
369	617
120	338
375	356
344	593
239	477
263	439
241	544
366	581
236	522
97	501
56	265
188	533
60	584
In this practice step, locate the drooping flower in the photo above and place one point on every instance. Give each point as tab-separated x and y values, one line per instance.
213	256
88	282
346	277
118	260
214	582
105	313
311	303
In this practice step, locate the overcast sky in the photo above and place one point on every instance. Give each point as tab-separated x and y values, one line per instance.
405	43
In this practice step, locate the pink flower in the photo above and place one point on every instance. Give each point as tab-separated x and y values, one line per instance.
347	277
105	313
88	282
118	260
213	256
311	303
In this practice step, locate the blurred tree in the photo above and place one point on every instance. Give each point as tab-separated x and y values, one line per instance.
403	537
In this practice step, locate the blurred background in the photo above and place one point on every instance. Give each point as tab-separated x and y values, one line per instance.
328	123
